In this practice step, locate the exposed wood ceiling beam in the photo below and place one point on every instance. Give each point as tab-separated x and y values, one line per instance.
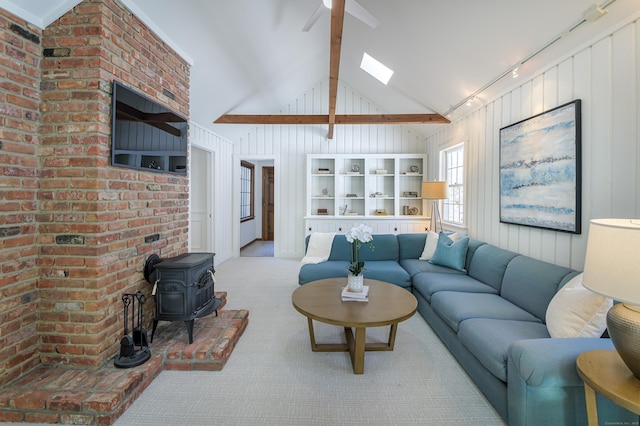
337	24
338	119
391	119
272	119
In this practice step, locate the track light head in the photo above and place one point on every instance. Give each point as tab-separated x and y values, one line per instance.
594	13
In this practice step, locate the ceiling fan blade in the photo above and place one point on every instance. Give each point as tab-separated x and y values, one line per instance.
354	8
316	15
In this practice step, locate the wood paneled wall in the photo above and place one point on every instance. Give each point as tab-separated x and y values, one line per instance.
606	76
289	145
223	219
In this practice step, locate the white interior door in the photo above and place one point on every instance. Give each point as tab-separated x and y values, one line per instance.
201	179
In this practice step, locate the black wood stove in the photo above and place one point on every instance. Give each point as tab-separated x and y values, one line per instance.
183	287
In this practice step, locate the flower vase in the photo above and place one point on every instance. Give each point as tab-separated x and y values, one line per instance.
355	283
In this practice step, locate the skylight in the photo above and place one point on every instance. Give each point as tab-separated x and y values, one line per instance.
376	68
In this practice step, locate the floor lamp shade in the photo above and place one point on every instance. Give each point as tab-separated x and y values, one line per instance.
435	191
612	269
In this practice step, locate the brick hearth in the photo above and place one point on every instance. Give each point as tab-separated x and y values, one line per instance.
58	394
213	341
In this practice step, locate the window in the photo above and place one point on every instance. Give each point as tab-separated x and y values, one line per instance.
452	170
246	191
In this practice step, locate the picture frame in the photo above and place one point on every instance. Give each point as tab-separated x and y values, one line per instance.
540	170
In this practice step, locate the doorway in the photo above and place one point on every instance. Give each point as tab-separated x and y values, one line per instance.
257	234
201	210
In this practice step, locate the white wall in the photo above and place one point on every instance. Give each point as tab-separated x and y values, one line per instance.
288	145
222	182
605	75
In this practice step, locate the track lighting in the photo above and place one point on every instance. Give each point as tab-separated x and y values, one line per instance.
592	14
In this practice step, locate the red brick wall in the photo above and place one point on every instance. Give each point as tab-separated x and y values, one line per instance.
94	224
19	103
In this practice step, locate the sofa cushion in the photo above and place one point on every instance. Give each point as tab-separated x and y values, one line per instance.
489	263
450	253
341	248
385	247
489	340
531	283
416	266
471	250
411	245
387	270
576	311
432	282
320	271
455	307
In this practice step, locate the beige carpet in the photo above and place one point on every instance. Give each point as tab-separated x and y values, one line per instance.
273	378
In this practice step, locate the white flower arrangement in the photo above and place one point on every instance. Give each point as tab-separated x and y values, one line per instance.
358	235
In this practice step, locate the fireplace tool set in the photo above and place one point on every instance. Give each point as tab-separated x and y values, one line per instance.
134	347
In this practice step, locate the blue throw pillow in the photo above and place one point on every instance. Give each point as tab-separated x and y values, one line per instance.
451	254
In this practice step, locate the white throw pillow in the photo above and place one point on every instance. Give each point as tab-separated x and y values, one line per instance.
431	244
576	311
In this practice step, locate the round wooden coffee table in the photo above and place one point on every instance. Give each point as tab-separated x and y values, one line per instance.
321	301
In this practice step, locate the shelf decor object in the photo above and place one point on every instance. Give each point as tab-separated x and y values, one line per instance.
435	191
612	269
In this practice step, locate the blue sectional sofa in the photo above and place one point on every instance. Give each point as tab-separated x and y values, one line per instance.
491	316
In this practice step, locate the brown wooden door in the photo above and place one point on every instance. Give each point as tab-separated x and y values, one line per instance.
268	179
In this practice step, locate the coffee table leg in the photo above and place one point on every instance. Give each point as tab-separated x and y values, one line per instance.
312	337
357	347
392	335
356	344
358	356
324	347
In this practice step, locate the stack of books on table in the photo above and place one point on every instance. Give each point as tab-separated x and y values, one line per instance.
352	296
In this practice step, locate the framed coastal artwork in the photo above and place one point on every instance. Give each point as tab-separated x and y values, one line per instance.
540	168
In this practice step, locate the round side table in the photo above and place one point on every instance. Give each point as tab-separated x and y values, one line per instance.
604	372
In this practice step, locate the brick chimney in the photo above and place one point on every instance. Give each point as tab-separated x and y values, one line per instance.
76	231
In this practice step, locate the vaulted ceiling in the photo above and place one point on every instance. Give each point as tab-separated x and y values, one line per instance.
252	57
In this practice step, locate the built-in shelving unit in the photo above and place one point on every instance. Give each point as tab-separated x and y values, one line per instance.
382	190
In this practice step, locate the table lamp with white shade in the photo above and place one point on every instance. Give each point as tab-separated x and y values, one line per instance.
435	191
612	269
